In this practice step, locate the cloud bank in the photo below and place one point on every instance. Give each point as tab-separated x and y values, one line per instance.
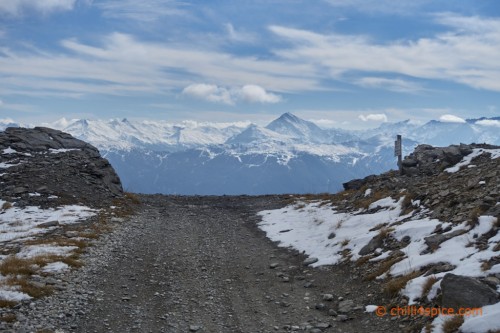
374	117
18	7
230	96
449	118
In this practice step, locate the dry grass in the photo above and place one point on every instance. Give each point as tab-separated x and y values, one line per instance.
383	267
13	265
365	202
394	286
431	280
497	247
452	324
8	317
7	304
407	205
474	217
363	260
35	291
345	242
58	241
6	205
485	266
384	232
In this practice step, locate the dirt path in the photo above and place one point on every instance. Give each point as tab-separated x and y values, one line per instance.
200	264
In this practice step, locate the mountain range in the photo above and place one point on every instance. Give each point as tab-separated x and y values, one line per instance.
289	155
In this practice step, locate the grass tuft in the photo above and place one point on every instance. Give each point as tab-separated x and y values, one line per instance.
35	291
394	286
474	217
383	267
13	265
429	282
6	205
7	304
453	324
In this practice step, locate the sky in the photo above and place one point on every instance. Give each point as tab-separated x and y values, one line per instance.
341	63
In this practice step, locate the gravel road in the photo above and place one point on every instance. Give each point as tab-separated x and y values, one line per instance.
200	264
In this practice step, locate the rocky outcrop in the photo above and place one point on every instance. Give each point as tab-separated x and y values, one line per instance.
429	160
466	292
42	166
454	197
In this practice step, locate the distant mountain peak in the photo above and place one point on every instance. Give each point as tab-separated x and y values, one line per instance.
291	125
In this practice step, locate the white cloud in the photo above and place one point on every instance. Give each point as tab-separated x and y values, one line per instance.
449	118
465	55
18	7
122	65
209	92
214	93
380	6
374	117
488	122
397	85
239	36
143	11
256	94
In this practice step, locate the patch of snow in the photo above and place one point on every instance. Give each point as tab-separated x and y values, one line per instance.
310	223
371	308
61	150
35	194
495	153
31	251
368	192
55	267
4	165
9	150
486	322
12	295
17	223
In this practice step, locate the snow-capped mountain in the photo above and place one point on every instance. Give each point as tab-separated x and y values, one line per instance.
289	155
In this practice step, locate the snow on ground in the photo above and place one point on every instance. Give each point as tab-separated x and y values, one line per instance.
322	232
20	224
495	153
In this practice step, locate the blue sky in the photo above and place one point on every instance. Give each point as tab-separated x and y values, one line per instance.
342	63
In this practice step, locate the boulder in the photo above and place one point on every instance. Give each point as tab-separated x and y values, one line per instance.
463	291
59	167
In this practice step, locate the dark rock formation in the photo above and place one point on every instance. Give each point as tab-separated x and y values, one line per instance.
466	292
37	165
428	160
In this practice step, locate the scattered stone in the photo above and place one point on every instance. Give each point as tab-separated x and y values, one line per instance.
194	328
345	306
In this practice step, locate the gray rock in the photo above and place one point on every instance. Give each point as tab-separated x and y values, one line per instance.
48	224
434	240
372	245
309	261
346	306
462	291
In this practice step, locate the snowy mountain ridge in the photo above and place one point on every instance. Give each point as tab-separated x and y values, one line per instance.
289	155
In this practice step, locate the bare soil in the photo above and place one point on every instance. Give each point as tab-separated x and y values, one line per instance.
201	264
